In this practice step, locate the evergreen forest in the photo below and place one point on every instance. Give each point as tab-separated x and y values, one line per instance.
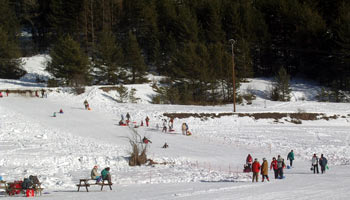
120	41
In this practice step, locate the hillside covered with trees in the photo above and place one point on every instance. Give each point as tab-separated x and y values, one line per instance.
119	41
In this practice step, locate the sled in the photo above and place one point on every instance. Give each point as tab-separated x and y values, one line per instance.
123	125
188	133
89	108
171	130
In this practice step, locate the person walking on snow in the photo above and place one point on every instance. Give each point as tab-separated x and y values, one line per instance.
171	123
314	162
147	121
249	161
290	157
265	170
274	167
184	128
280	165
0	94
256	170
323	164
164	126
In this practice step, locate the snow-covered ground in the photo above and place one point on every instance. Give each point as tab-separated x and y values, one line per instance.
207	165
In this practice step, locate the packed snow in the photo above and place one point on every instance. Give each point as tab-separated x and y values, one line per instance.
207	165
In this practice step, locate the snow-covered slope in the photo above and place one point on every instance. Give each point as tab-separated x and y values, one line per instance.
207	165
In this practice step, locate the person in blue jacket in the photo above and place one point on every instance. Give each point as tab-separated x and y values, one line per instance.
323	163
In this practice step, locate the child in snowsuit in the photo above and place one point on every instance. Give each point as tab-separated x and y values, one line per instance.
323	164
255	169
86	104
265	170
314	162
164	126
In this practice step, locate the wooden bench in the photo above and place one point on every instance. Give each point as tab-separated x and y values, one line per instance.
85	183
36	187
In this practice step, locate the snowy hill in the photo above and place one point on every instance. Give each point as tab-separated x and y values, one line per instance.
207	165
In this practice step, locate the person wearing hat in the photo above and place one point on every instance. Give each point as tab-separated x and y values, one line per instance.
95	175
256	170
265	170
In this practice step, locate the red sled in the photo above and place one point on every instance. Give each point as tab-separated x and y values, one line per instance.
123	125
171	130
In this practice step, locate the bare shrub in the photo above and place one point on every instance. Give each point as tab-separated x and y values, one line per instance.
138	154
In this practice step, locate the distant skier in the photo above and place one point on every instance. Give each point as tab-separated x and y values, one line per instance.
0	94
54	114
42	93
314	162
7	92
323	164
265	170
61	111
255	169
274	166
290	157
171	123
36	94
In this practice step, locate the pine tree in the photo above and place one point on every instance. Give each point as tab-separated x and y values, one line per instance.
281	90
69	63
108	58
10	64
133	59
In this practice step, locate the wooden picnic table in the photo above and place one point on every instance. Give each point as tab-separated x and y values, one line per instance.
85	183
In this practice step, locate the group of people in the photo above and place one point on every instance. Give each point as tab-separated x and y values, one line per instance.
104	175
168	126
277	165
322	161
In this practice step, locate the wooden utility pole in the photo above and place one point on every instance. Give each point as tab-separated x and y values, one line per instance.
232	41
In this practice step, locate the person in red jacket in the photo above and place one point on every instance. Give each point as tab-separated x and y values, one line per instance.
274	167
256	169
249	161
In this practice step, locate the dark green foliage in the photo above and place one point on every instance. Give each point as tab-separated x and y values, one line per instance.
108	59
69	63
188	39
281	88
10	64
133	59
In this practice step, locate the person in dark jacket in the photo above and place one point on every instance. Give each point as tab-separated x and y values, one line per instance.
280	165
290	157
323	164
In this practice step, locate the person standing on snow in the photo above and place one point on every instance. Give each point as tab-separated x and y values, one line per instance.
280	165
323	164
164	126
290	157
184	128
274	167
256	169
147	121
86	104
265	170
249	161
314	162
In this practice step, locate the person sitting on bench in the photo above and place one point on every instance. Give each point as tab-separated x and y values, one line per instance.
95	175
106	175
